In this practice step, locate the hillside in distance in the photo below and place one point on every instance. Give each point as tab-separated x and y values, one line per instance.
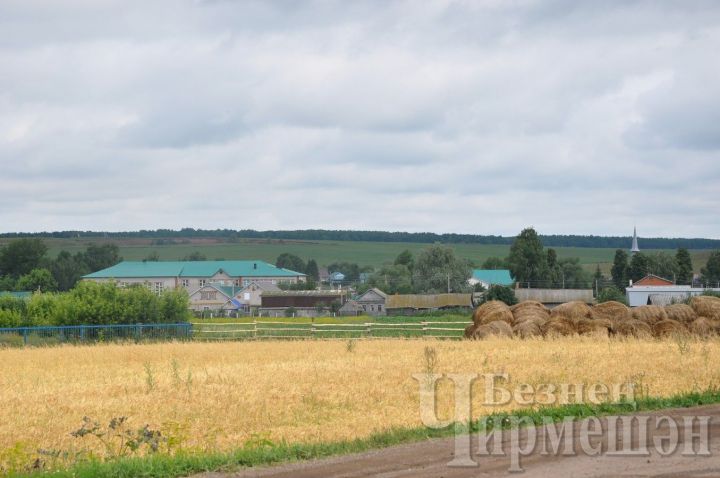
231	235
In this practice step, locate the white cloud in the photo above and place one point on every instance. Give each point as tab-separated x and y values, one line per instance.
478	117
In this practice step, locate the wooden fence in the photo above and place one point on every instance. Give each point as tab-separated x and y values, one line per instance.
259	329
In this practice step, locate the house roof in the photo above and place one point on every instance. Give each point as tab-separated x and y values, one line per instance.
428	301
375	290
652	279
304	293
493	276
128	269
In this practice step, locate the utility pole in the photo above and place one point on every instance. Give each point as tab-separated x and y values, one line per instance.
448	278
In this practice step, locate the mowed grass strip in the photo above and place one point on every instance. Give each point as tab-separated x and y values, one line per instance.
216	397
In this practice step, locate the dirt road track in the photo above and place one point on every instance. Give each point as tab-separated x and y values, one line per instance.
430	459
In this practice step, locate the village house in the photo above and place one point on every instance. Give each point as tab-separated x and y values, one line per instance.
489	277
301	303
372	302
211	285
654	290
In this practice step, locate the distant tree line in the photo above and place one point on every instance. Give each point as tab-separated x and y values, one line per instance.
231	235
677	268
25	265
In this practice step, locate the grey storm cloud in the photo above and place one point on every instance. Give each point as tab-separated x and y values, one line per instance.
446	116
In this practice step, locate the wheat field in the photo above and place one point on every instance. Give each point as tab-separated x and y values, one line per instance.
219	395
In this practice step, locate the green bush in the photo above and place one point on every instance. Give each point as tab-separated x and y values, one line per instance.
90	303
611	293
501	293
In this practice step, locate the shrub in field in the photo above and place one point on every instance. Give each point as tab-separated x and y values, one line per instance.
501	293
611	293
92	303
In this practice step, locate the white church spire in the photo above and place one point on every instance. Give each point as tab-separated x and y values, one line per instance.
635	247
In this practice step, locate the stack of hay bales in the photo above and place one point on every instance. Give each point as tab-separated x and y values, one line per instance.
702	327
681	313
492	318
706	306
708	310
602	327
532	319
612	310
529	318
565	318
650	314
669	328
633	328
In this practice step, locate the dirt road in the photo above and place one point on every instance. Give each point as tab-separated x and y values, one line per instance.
431	458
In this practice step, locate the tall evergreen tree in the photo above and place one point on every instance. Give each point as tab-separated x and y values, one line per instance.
312	270
711	271
684	266
639	266
619	271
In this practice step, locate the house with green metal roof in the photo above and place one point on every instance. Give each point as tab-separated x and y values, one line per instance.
194	275
488	277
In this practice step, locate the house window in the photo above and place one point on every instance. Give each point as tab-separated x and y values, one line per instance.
208	295
201	282
237	282
245	282
379	308
185	283
158	287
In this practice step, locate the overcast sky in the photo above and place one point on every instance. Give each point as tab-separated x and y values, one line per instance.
473	117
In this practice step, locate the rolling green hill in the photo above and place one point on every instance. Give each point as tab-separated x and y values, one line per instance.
325	252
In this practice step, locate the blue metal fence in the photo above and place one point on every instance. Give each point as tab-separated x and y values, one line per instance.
19	336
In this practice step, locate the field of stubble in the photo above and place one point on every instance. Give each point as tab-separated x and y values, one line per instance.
218	396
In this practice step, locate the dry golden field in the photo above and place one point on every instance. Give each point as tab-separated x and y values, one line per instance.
216	396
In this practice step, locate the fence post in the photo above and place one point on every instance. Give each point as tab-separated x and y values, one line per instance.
368	329
254	328
424	328
25	336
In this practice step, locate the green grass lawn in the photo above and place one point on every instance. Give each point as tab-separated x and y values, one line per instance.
448	326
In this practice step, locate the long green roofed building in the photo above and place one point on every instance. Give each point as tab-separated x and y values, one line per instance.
194	275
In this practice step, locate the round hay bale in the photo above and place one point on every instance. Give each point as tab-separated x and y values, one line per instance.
469	330
497	328
595	327
492	311
529	310
650	314
527	303
681	312
633	328
573	311
702	327
559	327
611	310
706	306
528	329
669	328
